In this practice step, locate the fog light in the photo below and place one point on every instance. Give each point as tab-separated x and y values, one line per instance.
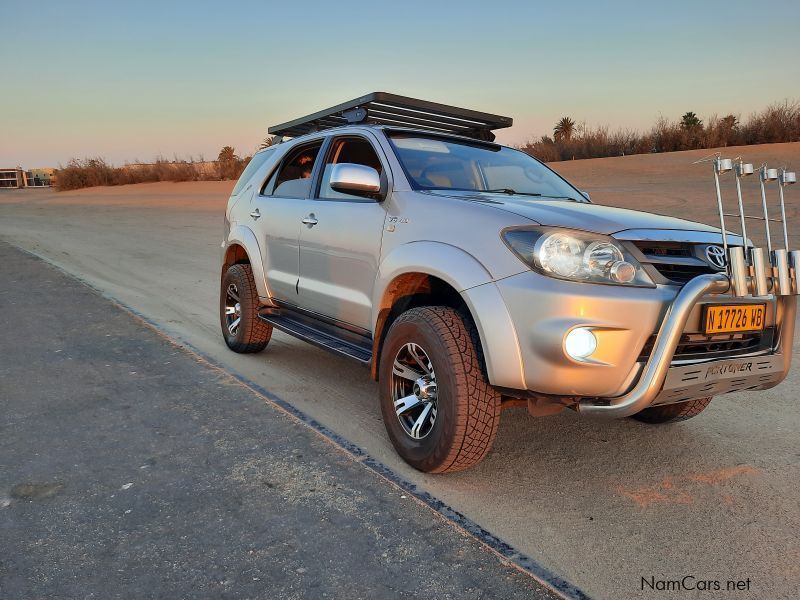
580	343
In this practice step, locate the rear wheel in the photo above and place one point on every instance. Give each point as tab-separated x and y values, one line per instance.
440	412
243	331
671	413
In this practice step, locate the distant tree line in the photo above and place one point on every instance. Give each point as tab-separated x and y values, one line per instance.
779	122
89	172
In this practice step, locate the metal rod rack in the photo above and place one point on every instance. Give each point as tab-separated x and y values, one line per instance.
751	270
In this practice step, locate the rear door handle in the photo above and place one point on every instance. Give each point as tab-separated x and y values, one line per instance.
310	220
256	214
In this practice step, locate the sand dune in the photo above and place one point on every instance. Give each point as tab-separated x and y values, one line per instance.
670	184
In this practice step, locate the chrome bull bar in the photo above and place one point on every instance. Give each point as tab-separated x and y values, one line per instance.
657	367
750	271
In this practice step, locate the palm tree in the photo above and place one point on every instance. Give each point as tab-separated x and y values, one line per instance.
690	122
729	123
228	164
266	143
564	129
227	155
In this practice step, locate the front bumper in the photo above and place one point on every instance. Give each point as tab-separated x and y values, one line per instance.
658	383
615	382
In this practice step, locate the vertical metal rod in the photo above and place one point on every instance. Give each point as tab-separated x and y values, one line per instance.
739	175
763	178
717	169
781	258
794	259
738	267
783	212
760	282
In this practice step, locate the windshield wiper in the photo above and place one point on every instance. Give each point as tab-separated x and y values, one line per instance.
510	192
570	198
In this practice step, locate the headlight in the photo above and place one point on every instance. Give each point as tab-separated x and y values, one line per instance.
576	255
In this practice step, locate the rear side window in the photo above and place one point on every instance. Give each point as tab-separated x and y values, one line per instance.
255	163
293	180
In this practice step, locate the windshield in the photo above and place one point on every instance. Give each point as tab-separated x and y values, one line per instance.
434	163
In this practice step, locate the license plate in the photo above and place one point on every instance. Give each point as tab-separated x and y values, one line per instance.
728	318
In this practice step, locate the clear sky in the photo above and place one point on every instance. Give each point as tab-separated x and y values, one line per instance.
131	80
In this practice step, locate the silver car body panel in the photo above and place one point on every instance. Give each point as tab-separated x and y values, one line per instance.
340	253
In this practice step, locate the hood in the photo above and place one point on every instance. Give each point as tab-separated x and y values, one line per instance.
579	215
607	220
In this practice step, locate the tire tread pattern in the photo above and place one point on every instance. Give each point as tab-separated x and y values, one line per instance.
478	416
254	334
673	413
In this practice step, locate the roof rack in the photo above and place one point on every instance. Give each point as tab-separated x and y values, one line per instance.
382	108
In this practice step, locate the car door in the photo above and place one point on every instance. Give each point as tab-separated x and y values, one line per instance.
340	242
278	210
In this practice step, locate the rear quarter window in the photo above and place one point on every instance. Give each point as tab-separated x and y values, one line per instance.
255	163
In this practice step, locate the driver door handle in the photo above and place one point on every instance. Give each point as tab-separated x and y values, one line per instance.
310	220
256	214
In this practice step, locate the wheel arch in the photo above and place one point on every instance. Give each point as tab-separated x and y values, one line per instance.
241	247
433	273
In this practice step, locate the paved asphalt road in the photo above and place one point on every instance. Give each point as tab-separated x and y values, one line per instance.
601	503
129	469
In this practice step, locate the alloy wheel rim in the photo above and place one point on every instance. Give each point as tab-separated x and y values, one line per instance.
233	309
414	391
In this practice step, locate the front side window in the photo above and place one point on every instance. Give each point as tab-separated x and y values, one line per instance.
354	150
293	180
434	163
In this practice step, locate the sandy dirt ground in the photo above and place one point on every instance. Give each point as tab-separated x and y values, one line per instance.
602	504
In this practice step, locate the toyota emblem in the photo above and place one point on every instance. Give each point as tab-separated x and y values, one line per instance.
715	256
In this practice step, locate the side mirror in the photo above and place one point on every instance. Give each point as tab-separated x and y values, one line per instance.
359	180
586	195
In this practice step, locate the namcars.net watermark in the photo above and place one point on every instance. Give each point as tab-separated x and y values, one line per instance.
692	583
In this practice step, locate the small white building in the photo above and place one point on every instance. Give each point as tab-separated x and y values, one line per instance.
19	178
12	178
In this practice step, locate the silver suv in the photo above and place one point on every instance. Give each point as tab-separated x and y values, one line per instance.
470	277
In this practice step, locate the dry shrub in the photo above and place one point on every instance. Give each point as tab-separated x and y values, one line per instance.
779	122
90	172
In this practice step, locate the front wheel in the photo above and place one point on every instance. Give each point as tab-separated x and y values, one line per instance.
243	331
439	410
671	413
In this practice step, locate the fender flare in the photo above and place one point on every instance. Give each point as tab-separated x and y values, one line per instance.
472	280
243	236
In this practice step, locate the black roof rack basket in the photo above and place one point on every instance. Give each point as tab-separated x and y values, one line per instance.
382	108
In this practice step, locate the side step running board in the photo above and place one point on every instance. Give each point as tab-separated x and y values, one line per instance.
362	352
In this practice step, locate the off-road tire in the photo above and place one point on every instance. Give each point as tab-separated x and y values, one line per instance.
252	334
672	413
468	408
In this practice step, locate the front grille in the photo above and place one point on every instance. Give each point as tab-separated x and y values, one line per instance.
681	273
673	262
698	346
664	249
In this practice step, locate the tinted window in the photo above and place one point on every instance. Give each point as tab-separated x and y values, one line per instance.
347	150
294	178
258	159
440	163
